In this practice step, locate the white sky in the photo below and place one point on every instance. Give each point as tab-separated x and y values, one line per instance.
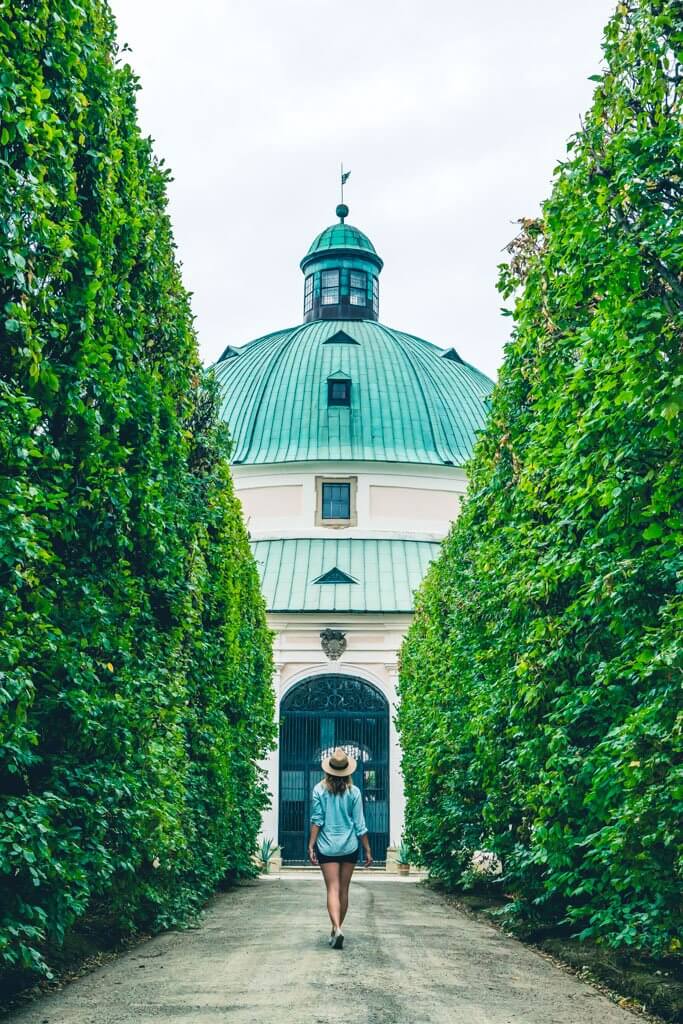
450	114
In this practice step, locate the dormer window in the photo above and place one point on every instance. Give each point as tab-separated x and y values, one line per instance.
339	392
329	295
308	294
357	288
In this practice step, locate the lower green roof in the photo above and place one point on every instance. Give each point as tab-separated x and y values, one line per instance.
388	573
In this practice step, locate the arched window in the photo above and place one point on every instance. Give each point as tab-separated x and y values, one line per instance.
334	693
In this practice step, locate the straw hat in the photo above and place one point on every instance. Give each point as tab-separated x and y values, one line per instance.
339	763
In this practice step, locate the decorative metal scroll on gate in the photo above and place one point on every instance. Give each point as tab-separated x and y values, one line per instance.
338	693
316	716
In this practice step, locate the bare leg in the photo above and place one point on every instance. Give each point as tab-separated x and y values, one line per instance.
346	872
331	876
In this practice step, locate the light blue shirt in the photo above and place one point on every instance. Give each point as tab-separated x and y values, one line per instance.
341	820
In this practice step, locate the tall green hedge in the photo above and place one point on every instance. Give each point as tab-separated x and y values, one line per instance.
135	662
541	680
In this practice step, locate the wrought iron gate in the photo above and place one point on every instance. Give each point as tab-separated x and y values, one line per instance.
316	716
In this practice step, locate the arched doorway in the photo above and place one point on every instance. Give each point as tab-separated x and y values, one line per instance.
317	715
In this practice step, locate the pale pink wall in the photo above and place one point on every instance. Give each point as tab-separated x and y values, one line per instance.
413	503
272	502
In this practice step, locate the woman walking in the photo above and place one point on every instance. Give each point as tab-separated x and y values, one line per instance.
337	823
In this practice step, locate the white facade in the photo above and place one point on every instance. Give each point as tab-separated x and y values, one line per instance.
393	501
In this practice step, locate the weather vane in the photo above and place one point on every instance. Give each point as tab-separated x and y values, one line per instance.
345	175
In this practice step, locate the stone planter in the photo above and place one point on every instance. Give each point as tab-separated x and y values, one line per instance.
391	864
276	862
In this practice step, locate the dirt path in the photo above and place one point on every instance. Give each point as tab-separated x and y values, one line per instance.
261	957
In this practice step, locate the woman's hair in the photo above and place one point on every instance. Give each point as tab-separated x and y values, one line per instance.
336	784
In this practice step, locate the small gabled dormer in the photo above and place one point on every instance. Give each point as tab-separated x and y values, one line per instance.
229	353
339	390
340	338
341	271
335	575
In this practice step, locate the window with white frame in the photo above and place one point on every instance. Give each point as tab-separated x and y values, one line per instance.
358	283
329	295
308	294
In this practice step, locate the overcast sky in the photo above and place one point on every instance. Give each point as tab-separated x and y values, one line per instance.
451	115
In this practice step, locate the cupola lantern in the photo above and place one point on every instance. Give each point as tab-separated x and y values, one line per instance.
341	274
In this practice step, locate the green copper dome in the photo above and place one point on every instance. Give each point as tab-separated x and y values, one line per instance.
408	400
340	236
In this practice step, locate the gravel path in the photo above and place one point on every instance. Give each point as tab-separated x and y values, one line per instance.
261	957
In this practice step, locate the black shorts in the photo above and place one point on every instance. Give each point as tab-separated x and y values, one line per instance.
340	858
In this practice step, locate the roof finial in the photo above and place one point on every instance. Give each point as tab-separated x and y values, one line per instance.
342	210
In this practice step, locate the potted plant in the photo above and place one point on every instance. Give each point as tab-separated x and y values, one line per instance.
403	859
266	854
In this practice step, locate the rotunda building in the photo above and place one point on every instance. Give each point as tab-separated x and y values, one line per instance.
349	441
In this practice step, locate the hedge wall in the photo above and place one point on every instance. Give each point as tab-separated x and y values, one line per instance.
135	662
541	680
